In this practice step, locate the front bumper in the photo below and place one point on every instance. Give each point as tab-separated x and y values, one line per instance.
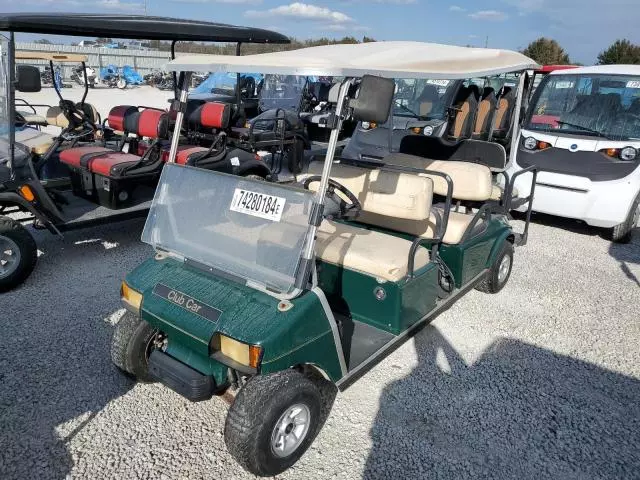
181	378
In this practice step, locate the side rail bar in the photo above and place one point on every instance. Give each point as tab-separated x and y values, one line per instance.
533	169
437	240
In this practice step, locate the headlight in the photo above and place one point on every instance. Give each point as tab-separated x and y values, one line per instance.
130	298
629	154
366	125
530	143
242	353
428	130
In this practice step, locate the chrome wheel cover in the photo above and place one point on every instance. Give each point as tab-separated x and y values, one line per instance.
290	430
9	257
504	269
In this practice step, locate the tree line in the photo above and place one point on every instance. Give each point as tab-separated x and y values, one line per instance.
547	51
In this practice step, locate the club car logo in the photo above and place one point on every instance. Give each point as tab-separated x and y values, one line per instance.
188	303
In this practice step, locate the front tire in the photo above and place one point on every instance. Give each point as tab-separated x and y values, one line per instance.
273	421
131	346
498	276
121	83
622	233
18	254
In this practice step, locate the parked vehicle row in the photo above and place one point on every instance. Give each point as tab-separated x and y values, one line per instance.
283	294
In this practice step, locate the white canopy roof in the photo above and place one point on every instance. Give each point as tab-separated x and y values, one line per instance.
385	59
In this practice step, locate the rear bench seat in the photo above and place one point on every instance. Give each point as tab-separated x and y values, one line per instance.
471	182
110	176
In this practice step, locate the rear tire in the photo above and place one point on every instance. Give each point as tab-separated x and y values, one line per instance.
273	421
498	276
622	233
18	254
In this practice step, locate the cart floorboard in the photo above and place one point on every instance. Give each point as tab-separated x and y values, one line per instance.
81	212
360	340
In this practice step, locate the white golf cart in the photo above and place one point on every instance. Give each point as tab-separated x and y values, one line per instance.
582	130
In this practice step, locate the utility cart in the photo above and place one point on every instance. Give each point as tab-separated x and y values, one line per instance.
102	184
284	294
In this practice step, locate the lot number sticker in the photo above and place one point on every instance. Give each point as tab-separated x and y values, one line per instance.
257	204
633	84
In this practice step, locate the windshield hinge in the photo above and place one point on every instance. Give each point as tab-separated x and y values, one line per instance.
316	215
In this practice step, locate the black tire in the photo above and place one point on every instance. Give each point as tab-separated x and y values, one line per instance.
12	233
120	340
493	281
258	408
622	233
295	156
131	345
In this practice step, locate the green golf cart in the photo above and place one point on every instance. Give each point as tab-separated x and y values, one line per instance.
285	294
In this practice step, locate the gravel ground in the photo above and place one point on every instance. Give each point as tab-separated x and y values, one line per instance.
539	381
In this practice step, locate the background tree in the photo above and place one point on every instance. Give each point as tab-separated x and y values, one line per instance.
366	39
42	41
621	51
546	51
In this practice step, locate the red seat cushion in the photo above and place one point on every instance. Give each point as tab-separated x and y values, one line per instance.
80	156
186	152
105	164
98	160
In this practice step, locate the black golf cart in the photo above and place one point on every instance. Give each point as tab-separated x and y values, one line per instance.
283	294
105	185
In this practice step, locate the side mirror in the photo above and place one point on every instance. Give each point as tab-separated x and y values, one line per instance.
373	100
28	79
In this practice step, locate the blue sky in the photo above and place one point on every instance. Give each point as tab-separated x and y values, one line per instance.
583	27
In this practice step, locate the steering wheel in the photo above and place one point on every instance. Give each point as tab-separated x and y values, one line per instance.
349	209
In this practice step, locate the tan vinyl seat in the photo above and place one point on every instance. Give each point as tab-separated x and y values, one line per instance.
31	118
389	195
38	142
471	182
56	118
377	254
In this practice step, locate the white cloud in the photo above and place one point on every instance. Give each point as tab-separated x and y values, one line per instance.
457	8
302	11
492	15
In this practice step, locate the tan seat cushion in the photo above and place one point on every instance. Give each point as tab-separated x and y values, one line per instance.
373	253
456	226
37	141
471	181
56	118
32	118
401	195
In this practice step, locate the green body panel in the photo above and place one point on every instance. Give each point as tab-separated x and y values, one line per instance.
203	363
466	260
248	315
405	302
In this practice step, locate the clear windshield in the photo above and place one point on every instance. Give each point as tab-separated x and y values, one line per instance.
605	106
223	83
4	99
282	91
423	99
252	230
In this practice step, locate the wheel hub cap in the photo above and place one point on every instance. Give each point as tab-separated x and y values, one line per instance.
290	430
503	270
9	256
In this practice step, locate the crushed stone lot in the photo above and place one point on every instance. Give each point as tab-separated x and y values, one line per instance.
539	381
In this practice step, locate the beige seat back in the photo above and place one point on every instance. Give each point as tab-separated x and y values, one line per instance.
56	118
392	194
471	181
